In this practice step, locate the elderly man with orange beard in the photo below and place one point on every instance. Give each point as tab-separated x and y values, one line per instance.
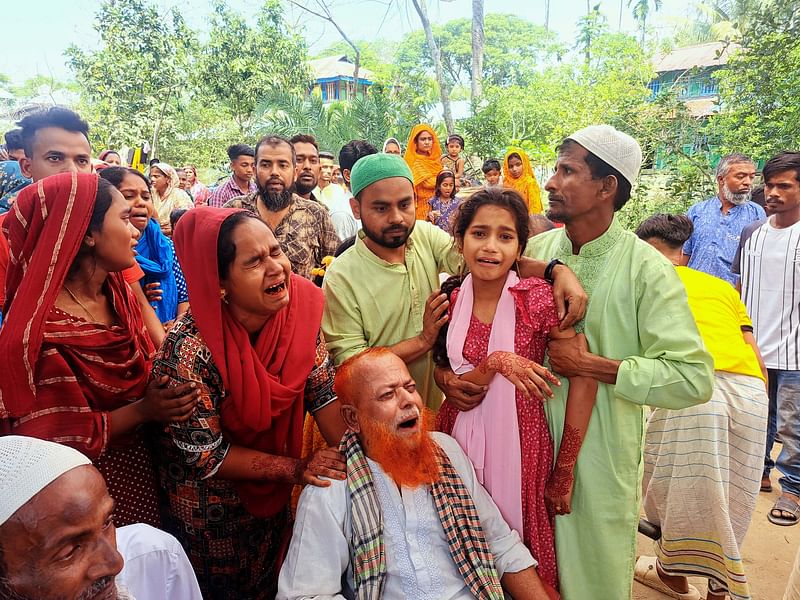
410	520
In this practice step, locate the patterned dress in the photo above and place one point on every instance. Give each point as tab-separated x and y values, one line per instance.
535	316
234	554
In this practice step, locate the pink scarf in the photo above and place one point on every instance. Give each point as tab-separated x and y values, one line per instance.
489	433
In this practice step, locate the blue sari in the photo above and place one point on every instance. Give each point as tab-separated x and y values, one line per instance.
11	182
156	256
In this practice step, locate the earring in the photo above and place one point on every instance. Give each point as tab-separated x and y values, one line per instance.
222	296
516	266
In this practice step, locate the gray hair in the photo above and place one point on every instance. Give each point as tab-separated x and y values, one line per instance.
727	161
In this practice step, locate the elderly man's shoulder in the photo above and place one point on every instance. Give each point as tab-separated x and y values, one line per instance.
247	202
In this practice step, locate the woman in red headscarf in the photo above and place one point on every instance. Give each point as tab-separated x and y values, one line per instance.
75	354
251	342
424	158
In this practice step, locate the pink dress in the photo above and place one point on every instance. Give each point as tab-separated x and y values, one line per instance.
535	316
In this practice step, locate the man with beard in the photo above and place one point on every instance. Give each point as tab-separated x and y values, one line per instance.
302	227
57	534
645	350
384	291
718	221
307	169
411	519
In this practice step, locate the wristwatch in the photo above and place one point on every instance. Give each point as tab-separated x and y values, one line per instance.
548	270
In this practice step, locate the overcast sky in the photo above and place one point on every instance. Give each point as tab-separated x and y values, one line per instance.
36	33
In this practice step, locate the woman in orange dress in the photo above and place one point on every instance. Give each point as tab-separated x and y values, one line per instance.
424	158
518	175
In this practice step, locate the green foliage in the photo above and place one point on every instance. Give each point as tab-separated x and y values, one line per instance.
132	82
514	48
239	62
369	117
760	114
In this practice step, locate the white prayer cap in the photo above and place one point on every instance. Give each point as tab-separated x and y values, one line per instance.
612	146
29	464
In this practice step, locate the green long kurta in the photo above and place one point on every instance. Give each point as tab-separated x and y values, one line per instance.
638	313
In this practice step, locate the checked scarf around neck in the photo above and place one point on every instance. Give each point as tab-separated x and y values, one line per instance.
457	513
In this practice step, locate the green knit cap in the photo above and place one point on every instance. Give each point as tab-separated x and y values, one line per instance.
376	167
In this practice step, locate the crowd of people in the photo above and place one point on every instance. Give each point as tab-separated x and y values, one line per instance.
470	397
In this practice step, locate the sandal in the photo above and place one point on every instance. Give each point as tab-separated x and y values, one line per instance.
646	574
787	505
766	484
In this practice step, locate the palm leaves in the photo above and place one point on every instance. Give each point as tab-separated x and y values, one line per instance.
641	10
370	117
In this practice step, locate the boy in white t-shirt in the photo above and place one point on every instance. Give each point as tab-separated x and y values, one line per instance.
770	270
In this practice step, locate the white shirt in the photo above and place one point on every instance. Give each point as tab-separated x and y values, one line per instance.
156	567
770	268
418	561
337	201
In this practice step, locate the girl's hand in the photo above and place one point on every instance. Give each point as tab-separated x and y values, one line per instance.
558	490
528	377
153	292
434	317
433	216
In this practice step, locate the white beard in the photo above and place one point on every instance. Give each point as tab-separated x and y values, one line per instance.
735	199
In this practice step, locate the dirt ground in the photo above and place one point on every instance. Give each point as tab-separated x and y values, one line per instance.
768	552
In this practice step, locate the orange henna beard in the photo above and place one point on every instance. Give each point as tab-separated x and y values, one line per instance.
409	461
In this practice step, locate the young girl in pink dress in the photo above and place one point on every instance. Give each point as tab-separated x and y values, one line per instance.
497	335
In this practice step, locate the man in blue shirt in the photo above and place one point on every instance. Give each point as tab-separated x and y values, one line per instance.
718	221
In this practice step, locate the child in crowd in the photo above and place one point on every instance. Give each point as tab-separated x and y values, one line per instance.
491	171
444	201
500	325
452	161
518	176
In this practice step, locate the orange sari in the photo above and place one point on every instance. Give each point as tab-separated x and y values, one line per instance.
525	185
424	168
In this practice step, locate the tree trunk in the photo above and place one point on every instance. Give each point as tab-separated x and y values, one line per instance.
619	24
547	14
157	127
444	94
477	49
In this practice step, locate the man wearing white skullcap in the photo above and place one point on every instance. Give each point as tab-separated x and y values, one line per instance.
57	537
643	348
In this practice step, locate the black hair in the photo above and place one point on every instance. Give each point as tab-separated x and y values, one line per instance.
115	175
327	155
352	152
490	164
757	195
154	161
55	116
237	150
14	140
600	169
102	202
673	230
785	161
275	140
175	216
514	155
304	138
454	137
463	217
444	174
226	249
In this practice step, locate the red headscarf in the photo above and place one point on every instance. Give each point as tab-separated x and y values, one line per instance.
61	374
265	381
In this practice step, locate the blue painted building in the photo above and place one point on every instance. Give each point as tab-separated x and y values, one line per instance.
333	78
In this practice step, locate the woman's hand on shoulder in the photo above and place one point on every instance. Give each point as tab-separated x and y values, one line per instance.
326	462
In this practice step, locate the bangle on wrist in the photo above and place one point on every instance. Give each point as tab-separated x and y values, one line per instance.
548	270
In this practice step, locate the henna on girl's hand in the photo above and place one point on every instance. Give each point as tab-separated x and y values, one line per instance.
560	483
277	468
571	442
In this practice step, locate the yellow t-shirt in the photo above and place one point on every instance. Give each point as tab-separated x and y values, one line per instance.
720	316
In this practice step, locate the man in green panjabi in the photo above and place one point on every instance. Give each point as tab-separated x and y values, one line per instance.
645	350
384	291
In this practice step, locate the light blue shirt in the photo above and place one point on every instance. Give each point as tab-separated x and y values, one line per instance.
716	236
